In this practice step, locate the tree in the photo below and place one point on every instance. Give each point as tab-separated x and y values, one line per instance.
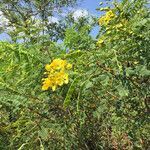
33	18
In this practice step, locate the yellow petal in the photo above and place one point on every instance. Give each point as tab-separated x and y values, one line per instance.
66	80
60	83
54	88
48	67
45	87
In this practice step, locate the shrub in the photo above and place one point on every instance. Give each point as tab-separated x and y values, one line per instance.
105	105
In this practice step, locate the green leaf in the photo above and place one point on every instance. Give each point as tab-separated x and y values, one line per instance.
122	91
70	92
143	71
43	133
74	54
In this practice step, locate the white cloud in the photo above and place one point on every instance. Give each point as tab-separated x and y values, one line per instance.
3	20
5	23
80	13
52	20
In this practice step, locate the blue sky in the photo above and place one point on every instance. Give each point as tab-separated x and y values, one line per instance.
89	5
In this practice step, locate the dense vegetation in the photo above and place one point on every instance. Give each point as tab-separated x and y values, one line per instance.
96	95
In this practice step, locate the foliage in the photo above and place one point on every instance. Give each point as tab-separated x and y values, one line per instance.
105	105
34	20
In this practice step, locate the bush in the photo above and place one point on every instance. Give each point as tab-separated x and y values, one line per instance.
105	105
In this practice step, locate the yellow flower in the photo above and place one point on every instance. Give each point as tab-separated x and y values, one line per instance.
104	20
101	41
56	74
45	87
110	14
54	88
58	64
46	84
48	67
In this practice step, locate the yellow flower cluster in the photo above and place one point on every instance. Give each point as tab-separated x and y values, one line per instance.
104	20
56	74
101	40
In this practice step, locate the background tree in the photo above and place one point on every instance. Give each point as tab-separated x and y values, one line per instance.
34	18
